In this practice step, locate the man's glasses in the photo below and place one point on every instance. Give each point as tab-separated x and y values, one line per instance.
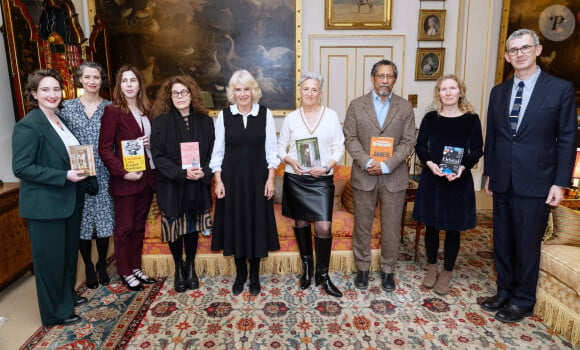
524	50
383	76
181	93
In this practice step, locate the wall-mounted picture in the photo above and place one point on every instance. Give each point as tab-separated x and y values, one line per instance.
358	14
556	23
209	40
432	25
430	63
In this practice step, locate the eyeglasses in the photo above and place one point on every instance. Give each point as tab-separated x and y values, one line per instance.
524	50
383	76
181	93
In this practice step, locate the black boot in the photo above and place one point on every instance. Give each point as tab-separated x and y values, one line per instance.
176	249
304	240
255	276
191	280
102	248
323	247
241	276
91	276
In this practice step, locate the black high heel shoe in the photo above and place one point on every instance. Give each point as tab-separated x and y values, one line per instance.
141	276
102	275
91	277
130	280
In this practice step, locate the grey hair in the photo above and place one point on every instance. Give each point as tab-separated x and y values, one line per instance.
521	32
312	75
385	63
95	65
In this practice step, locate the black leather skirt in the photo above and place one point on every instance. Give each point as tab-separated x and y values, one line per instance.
308	198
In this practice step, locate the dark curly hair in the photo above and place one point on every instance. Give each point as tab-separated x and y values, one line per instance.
119	99
34	79
164	103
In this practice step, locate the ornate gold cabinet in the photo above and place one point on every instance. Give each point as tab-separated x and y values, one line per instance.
15	251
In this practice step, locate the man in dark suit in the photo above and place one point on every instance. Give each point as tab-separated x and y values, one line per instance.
529	155
379	113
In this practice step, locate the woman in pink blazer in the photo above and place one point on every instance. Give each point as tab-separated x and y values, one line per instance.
132	191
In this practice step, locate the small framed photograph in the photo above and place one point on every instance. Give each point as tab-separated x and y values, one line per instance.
432	25
358	14
429	64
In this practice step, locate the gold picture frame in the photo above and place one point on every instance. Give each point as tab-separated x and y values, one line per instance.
430	63
358	14
431	25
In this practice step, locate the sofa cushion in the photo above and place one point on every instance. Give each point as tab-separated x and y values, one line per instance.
566	230
347	202
339	185
563	262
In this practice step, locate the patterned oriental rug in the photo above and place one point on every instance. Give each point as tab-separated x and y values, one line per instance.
285	317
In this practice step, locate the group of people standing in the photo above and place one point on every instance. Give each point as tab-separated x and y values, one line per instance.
241	152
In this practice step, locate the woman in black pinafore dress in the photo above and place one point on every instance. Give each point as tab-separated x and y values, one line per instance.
244	161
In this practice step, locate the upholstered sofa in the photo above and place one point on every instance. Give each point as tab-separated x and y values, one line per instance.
157	259
558	293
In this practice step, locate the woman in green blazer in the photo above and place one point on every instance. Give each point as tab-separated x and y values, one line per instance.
51	197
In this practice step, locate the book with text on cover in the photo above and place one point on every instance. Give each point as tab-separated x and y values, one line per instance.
82	158
308	152
190	155
133	155
381	148
451	159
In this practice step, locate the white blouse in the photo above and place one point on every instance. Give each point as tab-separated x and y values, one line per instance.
327	129
219	146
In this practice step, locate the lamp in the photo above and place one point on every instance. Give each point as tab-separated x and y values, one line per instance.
576	174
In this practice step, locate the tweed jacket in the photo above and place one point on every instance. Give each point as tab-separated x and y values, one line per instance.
361	124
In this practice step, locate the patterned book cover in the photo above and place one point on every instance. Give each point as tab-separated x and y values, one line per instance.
82	158
133	155
451	159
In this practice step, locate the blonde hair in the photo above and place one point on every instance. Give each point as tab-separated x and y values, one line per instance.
245	78
463	104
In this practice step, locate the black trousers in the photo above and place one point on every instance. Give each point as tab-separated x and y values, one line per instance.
518	224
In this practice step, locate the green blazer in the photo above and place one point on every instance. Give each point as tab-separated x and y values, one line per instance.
41	161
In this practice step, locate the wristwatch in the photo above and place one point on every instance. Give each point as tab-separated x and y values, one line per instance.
327	168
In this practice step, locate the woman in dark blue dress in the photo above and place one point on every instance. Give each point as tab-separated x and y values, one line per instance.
446	201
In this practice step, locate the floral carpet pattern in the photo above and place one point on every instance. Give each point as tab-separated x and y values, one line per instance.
285	317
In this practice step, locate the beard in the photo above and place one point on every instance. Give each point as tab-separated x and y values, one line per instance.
384	92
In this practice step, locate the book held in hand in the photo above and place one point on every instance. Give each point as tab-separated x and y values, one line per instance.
308	152
133	155
82	158
381	148
190	155
451	159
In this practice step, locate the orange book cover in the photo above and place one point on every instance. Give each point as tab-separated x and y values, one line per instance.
381	148
190	155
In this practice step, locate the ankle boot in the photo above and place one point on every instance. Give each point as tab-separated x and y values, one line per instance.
241	276
191	280
442	285
323	247
102	248
431	276
255	276
90	274
179	281
304	241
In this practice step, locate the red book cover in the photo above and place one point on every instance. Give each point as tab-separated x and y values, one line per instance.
190	155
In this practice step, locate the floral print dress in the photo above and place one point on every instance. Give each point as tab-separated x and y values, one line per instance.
98	213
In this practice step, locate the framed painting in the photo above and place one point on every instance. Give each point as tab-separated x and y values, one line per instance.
556	24
432	25
209	40
430	63
358	14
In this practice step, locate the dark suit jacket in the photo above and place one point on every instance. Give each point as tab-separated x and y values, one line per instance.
361	124
117	126
543	151
41	161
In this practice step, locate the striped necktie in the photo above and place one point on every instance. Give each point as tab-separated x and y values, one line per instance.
515	113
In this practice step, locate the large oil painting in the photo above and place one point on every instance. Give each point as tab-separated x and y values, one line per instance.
556	23
209	40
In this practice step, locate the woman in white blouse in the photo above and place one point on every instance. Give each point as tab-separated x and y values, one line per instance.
311	144
244	162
